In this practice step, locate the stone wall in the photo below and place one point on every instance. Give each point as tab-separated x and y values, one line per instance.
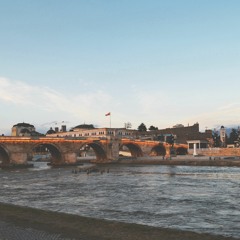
218	151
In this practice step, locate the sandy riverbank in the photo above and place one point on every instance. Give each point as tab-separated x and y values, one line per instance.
68	226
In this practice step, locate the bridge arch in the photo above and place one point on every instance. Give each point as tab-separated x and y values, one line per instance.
56	156
4	156
98	150
158	150
135	150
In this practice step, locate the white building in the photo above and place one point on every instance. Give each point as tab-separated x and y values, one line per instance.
89	131
223	136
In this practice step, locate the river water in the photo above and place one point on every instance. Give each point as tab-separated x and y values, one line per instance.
200	199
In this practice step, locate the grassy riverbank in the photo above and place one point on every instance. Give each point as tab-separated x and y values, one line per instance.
78	227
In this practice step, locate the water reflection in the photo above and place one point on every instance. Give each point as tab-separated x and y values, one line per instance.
39	166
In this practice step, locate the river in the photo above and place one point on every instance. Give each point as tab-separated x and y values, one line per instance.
200	199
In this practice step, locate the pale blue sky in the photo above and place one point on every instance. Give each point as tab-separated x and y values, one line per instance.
151	61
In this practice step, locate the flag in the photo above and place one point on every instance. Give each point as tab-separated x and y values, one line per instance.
108	114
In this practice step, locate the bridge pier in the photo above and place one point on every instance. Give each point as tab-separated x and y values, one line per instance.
112	150
18	158
69	158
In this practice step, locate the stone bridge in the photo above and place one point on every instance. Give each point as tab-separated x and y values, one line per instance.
64	151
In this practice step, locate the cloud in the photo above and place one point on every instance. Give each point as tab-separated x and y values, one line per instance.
230	108
14	92
158	107
46	99
150	102
226	115
153	106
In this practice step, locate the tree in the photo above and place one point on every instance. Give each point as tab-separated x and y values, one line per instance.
233	136
170	139
142	127
216	139
153	128
161	138
237	144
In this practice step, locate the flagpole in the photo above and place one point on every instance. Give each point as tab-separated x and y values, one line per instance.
109	115
110	119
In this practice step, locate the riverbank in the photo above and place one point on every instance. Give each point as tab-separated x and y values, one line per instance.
186	160
179	160
69	226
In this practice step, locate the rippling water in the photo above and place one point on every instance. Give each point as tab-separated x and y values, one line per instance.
201	199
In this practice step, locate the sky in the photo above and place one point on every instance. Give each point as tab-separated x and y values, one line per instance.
157	62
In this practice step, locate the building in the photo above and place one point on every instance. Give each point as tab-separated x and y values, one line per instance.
88	130
223	136
180	133
197	146
24	129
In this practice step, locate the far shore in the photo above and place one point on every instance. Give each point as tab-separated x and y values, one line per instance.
77	227
179	160
186	160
